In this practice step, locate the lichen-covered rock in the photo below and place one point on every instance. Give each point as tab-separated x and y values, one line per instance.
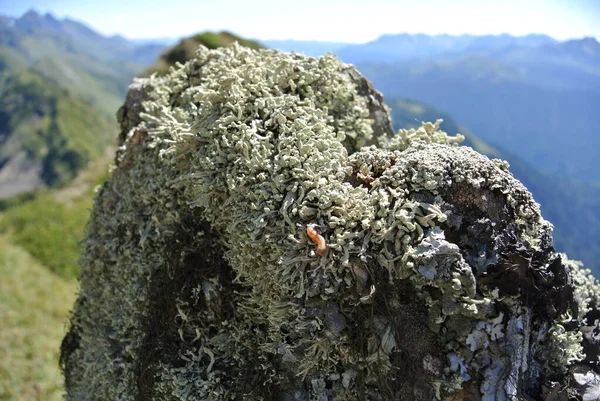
428	274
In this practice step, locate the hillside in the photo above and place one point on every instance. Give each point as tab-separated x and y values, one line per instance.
47	135
185	49
33	306
572	206
60	86
39	250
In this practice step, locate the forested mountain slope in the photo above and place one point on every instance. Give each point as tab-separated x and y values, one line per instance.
572	206
47	135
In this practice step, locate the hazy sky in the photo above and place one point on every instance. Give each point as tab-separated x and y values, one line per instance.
344	20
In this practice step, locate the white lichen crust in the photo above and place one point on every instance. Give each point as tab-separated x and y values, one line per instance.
199	281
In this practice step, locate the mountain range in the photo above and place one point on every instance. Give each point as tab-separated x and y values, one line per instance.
537	96
530	100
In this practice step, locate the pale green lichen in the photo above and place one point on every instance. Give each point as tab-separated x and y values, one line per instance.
241	151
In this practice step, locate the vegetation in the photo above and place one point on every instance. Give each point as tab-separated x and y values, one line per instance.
33	307
51	126
49	230
39	237
413	270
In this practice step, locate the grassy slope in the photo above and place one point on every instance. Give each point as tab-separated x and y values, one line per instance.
49	224
49	230
34	304
37	285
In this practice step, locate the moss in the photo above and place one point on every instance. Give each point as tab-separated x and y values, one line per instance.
199	281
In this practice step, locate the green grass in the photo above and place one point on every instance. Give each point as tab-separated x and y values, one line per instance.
38	264
49	230
34	305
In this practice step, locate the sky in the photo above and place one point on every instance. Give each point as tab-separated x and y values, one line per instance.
337	20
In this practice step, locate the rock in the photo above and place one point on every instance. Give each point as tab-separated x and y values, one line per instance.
199	281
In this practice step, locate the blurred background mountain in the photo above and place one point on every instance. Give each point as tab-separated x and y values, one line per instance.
531	100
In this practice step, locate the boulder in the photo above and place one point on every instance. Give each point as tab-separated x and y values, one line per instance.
265	235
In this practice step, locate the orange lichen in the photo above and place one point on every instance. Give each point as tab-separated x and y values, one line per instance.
138	136
461	395
318	239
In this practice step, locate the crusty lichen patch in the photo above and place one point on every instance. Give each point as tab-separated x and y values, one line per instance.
199	281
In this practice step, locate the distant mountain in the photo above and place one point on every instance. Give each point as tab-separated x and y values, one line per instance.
72	55
572	206
399	48
536	96
310	48
59	90
555	130
73	36
186	47
532	59
569	65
